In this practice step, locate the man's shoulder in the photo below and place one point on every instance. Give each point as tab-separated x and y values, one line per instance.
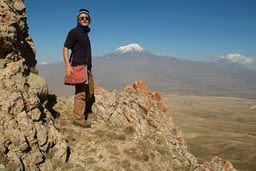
75	29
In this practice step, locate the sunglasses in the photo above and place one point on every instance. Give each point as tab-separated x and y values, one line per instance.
84	18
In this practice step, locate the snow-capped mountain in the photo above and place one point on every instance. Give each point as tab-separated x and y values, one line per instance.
129	48
129	63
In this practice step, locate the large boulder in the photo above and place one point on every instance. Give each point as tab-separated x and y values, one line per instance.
38	85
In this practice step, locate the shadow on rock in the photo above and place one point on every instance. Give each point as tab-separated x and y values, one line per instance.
52	100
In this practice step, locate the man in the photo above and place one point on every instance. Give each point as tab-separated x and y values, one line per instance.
78	41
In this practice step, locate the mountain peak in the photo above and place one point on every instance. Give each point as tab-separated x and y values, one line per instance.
129	48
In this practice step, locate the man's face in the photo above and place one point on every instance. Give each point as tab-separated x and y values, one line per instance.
84	19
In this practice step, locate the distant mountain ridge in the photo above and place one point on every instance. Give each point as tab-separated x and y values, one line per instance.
129	63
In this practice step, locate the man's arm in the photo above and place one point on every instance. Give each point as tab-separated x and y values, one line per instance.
66	60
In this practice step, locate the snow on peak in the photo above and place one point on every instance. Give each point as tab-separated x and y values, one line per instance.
129	48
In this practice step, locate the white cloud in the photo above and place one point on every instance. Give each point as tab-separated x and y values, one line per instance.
238	58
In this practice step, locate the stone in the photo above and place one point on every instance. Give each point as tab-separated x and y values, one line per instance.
24	126
36	114
38	85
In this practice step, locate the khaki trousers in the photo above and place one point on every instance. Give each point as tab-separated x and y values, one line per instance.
84	93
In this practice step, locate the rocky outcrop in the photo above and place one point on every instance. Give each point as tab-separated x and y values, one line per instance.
28	136
15	42
216	164
131	130
144	110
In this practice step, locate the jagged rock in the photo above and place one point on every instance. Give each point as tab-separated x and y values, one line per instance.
137	106
131	130
216	164
15	41
27	131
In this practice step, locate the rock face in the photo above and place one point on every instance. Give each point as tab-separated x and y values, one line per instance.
15	42
28	137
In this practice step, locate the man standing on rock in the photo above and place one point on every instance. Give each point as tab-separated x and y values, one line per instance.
78	41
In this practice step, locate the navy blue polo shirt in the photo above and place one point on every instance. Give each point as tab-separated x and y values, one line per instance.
79	43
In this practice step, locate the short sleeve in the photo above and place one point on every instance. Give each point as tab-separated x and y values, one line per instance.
70	40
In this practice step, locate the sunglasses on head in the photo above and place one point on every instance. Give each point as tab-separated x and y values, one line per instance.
84	18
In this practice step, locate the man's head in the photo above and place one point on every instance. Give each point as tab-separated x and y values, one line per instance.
83	17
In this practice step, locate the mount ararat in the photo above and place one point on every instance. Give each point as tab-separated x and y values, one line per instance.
129	63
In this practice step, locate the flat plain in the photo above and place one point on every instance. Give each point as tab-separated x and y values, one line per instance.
217	126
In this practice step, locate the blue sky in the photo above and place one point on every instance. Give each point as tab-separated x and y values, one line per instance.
186	29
